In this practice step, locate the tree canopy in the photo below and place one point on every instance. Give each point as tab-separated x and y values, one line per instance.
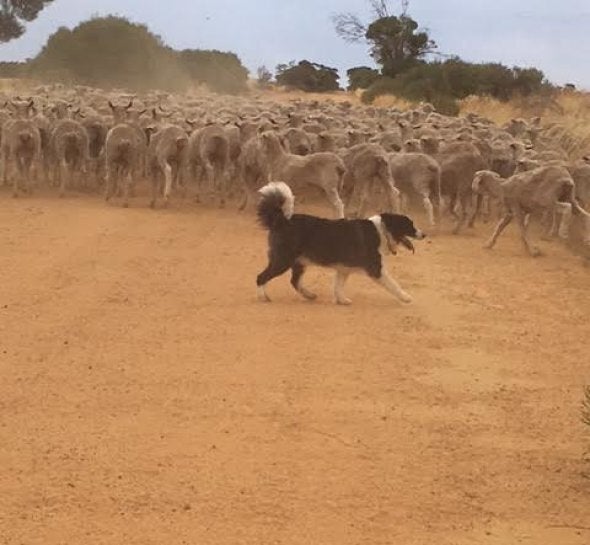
15	13
114	52
308	76
396	41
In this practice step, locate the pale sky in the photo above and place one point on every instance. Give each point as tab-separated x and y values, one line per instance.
551	35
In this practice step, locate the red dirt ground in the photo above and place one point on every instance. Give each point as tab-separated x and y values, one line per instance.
147	397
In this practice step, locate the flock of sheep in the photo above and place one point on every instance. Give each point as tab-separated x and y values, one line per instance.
85	139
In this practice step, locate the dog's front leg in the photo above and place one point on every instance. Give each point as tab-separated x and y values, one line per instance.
393	287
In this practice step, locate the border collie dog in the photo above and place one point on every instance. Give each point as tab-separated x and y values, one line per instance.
299	240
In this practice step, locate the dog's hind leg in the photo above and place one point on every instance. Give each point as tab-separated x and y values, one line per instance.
297	272
339	281
275	268
393	287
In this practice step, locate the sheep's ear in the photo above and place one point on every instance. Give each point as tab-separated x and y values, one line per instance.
31	103
141	112
111	105
129	105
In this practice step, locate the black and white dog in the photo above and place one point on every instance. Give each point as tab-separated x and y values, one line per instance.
296	241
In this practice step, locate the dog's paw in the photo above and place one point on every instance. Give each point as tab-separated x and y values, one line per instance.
261	295
310	296
406	298
535	252
344	301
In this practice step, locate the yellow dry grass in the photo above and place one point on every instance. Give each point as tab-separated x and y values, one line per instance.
565	114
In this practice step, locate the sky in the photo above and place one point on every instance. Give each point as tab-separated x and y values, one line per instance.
548	34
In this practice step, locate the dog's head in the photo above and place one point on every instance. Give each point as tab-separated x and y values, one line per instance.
399	230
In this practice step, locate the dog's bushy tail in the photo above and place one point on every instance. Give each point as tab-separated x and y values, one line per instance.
276	206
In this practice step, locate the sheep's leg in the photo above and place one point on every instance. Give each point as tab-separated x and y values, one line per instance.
221	178
167	182
297	272
476	202
28	182
393	195
563	210
126	188
427	203
522	223
502	224
336	201
393	287
403	203
339	281
360	211
462	216
15	180
63	177
210	178
155	187
108	193
486	210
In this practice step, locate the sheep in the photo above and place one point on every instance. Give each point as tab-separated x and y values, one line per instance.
124	157
419	174
167	155
21	145
459	161
324	170
367	167
120	112
71	151
297	141
543	189
209	157
253	170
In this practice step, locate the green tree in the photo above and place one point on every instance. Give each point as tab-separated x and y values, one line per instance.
396	41
113	52
308	76
361	77
15	13
220	71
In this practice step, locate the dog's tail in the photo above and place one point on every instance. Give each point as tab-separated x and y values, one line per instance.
276	206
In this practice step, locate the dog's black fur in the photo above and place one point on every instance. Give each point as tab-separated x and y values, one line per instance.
303	239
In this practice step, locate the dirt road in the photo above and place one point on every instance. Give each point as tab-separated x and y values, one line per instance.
147	398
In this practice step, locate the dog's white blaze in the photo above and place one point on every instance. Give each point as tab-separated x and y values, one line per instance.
282	188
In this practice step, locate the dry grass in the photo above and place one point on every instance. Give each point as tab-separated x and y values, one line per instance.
566	115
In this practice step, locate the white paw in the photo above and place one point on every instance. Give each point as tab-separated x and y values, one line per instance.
405	298
344	301
261	295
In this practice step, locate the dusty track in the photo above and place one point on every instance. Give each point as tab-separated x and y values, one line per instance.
147	398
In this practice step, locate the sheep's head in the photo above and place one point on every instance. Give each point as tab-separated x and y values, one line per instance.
22	108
